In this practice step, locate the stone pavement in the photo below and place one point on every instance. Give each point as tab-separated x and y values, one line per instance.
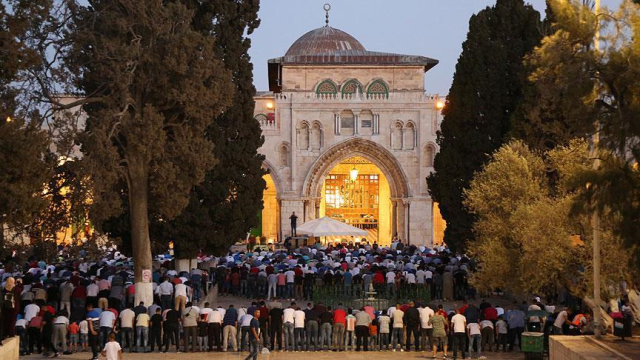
320	355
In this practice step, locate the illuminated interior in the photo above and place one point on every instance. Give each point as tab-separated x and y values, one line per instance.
439	225
270	211
356	192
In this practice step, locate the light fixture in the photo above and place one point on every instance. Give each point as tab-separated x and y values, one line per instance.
9	119
269	105
353	174
440	105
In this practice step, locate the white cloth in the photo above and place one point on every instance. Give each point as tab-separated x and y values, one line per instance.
165	288
30	311
107	318
181	290
112	348
425	316
215	317
299	319
458	322
288	315
474	329
562	317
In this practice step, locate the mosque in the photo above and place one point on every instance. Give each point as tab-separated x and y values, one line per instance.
350	134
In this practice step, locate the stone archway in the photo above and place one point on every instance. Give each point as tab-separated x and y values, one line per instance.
356	147
376	154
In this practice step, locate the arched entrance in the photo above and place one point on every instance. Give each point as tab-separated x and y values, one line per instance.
331	168
270	217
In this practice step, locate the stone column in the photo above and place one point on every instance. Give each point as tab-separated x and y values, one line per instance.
407	219
401	212
356	122
394	217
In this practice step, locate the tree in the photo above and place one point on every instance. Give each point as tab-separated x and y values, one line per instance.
155	84
598	86
25	161
486	90
525	223
225	206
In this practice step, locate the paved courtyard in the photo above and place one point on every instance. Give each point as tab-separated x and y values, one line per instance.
287	355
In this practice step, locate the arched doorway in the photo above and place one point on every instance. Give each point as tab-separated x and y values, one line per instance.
357	192
270	216
333	169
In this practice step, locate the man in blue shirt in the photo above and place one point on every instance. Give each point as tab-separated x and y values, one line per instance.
515	319
254	336
229	330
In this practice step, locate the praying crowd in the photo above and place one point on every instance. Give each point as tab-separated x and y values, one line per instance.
78	305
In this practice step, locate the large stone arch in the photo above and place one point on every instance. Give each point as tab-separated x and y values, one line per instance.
273	172
367	149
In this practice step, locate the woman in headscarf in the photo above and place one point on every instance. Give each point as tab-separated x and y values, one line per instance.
8	309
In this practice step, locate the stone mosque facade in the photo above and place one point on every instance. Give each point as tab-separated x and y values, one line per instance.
349	133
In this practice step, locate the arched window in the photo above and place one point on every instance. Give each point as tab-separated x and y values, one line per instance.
327	88
396	135
316	136
262	119
351	87
378	90
366	122
410	136
347	123
429	155
303	135
283	152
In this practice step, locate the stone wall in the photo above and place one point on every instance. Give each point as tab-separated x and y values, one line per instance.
580	348
10	349
306	78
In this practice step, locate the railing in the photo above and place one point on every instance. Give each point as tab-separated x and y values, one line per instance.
356	296
266	124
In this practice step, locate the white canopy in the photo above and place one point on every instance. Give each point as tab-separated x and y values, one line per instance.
327	226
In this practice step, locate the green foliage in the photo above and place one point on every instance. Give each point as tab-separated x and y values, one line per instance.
486	90
576	86
525	223
223	208
152	85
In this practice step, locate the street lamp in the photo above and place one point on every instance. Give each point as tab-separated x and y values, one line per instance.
440	105
270	105
9	119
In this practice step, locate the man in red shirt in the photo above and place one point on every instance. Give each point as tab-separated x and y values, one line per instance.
339	321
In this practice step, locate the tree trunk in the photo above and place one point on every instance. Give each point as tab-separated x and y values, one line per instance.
138	202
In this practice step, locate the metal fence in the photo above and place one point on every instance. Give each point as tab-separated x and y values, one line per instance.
356	297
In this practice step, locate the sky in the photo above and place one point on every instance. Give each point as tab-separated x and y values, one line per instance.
433	28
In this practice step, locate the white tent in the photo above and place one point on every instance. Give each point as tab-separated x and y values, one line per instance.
327	226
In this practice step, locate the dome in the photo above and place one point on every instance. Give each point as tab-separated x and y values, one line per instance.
324	40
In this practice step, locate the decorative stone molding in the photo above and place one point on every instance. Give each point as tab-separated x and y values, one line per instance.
381	157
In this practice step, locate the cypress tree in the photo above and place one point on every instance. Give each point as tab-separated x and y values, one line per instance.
486	90
225	206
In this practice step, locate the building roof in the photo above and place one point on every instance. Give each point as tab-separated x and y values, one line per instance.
331	46
324	40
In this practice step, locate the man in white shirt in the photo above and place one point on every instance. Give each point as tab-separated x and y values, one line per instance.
180	292
215	329
561	319
397	333
30	311
426	329
107	323
245	327
459	324
488	335
391	284
290	277
165	290
474	337
299	317
126	326
289	318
